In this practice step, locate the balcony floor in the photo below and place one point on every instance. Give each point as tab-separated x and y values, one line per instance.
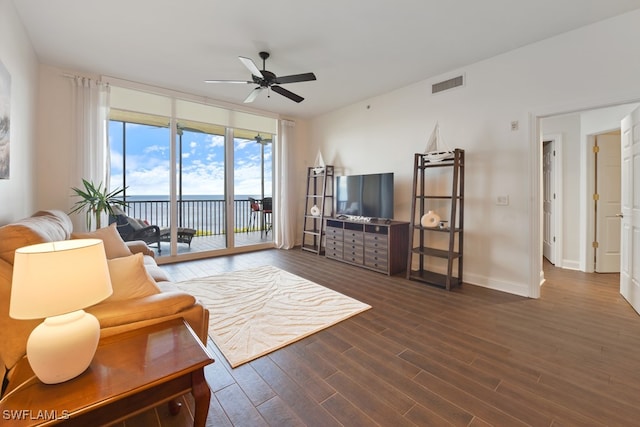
217	242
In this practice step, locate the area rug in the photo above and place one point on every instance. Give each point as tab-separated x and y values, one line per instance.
254	312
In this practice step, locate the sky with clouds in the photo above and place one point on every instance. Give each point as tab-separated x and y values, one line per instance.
148	162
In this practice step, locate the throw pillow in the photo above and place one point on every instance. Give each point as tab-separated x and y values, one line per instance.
135	224
129	278
114	246
14	333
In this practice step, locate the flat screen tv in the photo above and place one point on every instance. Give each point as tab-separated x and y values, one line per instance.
368	195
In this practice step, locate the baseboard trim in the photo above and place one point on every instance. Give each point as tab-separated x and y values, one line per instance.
521	289
570	265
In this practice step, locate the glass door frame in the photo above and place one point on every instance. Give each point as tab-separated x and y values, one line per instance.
133	98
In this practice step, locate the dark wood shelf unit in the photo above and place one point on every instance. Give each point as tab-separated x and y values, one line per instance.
375	245
427	245
433	278
440	253
319	198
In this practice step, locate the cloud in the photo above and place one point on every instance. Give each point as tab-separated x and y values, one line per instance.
215	141
156	149
148	164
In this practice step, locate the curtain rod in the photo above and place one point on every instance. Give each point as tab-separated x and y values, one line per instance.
76	76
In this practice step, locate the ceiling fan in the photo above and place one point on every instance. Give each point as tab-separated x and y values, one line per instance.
262	140
268	80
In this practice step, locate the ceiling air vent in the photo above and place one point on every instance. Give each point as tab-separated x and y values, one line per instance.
447	84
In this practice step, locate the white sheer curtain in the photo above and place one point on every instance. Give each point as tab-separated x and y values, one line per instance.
285	207
89	145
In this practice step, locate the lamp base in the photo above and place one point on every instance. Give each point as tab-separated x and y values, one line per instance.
62	347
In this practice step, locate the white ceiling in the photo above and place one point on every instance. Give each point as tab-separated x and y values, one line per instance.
357	48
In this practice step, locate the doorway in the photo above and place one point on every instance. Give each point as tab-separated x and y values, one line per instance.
577	182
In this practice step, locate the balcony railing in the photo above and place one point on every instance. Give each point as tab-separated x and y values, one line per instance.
205	216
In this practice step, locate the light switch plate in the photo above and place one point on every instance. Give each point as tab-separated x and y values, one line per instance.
502	200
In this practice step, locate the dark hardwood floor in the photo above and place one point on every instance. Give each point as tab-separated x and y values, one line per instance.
423	356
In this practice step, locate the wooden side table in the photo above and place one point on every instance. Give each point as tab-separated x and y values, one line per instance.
130	373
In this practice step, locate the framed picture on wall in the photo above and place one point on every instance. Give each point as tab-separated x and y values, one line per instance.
5	120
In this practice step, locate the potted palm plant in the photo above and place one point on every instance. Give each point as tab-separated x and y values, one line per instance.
96	200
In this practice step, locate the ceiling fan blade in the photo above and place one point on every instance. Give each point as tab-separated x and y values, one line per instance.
282	91
294	78
252	96
251	66
263	141
227	81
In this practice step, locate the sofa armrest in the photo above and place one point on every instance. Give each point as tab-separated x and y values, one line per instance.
139	246
159	305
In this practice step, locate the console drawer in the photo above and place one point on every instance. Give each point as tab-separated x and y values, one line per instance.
376	241
353	253
333	244
334	252
353	237
376	261
334	233
376	252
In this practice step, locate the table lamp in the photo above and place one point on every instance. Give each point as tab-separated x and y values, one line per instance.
56	281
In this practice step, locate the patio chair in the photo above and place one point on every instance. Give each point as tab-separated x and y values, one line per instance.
137	229
254	205
267	212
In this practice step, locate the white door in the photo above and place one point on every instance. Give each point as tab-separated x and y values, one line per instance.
608	205
630	249
548	237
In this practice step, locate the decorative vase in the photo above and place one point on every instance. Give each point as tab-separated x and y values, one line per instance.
430	219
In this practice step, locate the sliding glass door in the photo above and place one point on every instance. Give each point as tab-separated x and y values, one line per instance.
205	184
200	187
252	179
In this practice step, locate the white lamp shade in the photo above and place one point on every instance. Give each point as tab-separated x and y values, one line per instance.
58	277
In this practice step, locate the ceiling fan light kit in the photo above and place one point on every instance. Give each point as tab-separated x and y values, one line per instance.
267	80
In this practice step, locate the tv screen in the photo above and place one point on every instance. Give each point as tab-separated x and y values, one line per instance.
365	195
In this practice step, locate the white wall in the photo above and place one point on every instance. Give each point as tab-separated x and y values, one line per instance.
550	77
54	140
16	53
297	171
